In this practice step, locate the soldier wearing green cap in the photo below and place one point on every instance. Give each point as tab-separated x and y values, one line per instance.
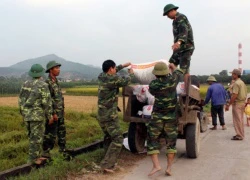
164	118
217	93
57	129
109	83
35	105
183	46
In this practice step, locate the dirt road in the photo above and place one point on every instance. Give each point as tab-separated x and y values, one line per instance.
220	158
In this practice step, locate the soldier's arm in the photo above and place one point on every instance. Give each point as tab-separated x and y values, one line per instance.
121	66
153	88
47	102
21	101
123	81
183	30
52	94
174	80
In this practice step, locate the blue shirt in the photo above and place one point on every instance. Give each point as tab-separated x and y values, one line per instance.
217	94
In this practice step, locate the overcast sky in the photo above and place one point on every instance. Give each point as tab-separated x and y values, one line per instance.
91	31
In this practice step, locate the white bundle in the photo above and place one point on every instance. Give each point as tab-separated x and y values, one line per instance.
143	71
143	95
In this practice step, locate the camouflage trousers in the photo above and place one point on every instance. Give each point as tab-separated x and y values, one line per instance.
113	139
183	59
57	129
35	133
162	126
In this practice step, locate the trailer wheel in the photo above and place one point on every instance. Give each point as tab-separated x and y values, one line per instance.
137	134
203	121
193	139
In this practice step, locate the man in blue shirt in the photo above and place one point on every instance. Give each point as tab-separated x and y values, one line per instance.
217	93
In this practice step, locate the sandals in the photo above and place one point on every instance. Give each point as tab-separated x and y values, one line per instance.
213	128
236	138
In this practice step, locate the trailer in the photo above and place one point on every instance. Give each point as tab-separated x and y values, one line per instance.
191	123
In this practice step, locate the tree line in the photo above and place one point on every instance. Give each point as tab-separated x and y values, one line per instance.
12	85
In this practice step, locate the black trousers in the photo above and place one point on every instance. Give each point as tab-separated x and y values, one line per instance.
217	110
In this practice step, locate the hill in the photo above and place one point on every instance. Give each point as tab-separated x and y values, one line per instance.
69	69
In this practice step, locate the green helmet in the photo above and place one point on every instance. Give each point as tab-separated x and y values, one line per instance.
168	8
160	69
52	64
211	78
36	70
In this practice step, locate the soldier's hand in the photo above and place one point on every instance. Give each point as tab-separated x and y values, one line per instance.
126	64
130	71
51	121
55	117
175	46
172	66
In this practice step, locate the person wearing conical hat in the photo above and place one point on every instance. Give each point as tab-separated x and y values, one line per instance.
164	116
217	94
57	129
35	105
183	46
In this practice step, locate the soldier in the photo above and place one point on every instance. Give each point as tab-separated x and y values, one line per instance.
36	107
58	127
183	46
164	120
109	83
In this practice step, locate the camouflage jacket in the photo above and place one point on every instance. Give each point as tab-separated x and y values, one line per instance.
56	95
109	88
34	101
164	90
182	31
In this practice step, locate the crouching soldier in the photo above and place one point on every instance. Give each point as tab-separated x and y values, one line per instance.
35	106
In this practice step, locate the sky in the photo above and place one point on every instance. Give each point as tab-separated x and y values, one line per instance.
91	31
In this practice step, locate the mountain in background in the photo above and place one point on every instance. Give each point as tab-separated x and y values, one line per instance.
69	70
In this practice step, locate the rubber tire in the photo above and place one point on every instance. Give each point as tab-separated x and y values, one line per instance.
193	139
203	122
137	134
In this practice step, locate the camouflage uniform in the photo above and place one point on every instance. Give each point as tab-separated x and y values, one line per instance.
58	127
35	106
164	113
108	117
183	32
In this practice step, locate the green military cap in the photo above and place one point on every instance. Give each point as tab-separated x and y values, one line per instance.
52	64
36	70
160	69
211	78
168	8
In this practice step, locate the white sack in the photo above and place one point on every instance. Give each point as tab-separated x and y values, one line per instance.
143	95
143	71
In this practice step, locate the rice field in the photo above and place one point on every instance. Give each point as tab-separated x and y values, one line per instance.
85	104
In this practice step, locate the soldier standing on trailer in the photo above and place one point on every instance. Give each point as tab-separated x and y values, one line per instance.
36	107
109	83
183	46
58	127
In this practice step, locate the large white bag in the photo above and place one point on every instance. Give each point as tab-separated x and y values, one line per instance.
143	71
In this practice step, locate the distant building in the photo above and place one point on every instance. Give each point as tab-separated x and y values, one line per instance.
246	72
